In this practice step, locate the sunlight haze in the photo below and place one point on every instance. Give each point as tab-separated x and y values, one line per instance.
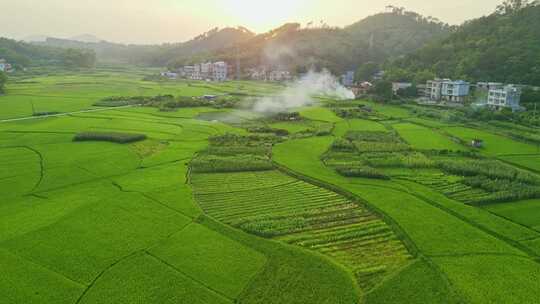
146	22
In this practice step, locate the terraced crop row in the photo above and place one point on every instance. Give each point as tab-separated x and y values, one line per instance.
273	205
451	188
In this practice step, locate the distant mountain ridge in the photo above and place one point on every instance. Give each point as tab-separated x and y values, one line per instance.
23	54
373	39
86	38
159	55
291	46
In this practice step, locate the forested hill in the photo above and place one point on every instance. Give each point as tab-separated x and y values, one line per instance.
376	38
398	32
291	46
22	54
158	55
502	47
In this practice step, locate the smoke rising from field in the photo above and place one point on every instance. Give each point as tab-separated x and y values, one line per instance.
301	93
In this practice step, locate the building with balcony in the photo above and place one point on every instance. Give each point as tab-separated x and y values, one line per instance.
508	96
220	71
447	90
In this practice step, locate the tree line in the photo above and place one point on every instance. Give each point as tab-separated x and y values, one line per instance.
501	47
21	54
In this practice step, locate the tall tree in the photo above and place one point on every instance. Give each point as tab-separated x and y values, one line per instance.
366	71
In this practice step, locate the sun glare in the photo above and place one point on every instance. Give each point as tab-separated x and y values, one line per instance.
262	15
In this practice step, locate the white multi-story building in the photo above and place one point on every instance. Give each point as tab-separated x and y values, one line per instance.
206	70
433	89
258	74
447	90
279	75
455	91
508	96
187	71
197	75
217	71
220	71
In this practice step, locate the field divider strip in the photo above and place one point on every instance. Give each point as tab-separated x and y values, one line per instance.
144	250
458	255
44	267
58	115
103	272
120	188
517	165
41	166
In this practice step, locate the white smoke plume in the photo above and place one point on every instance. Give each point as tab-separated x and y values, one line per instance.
301	93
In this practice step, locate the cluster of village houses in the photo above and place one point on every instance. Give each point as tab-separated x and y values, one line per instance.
5	66
493	94
268	74
210	71
222	71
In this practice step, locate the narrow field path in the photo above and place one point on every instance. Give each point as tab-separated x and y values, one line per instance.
64	114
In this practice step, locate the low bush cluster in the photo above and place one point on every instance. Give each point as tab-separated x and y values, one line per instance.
398	160
119	101
121	138
218	102
351	113
286	116
487	168
235	153
44	113
364	171
501	190
170	102
236	150
369	146
249	140
343	145
278	132
237	163
324	130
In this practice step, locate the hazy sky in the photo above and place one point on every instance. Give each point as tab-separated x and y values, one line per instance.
156	21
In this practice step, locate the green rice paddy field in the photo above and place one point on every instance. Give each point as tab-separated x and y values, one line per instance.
202	210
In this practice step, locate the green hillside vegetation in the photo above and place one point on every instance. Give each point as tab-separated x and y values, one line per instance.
374	39
158	55
291	46
503	47
397	32
22	54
